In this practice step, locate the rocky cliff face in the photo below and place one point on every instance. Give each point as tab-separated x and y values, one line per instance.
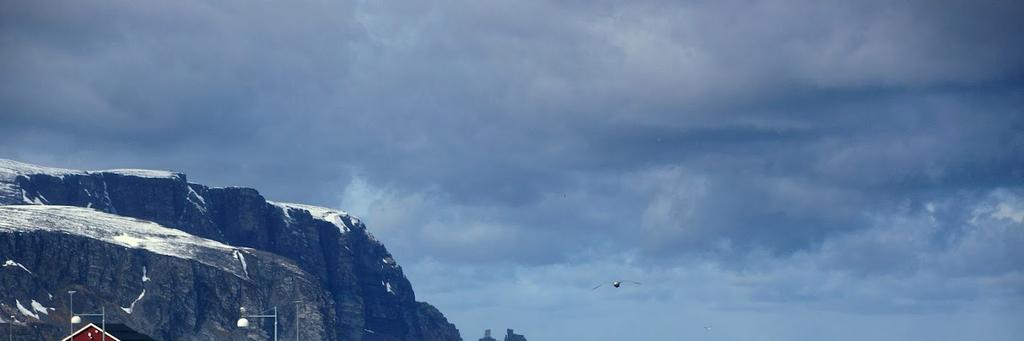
163	282
359	289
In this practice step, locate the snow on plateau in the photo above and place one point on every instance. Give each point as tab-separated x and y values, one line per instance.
118	230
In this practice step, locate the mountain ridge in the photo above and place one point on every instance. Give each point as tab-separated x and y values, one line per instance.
370	298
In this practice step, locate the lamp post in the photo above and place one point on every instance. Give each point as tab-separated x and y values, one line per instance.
71	309
103	320
243	322
10	329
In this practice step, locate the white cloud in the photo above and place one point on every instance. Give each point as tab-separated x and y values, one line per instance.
1010	210
674	196
426	223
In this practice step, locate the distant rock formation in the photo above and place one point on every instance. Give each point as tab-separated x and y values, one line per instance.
487	336
511	336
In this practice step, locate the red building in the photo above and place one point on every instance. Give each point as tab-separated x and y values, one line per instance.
115	332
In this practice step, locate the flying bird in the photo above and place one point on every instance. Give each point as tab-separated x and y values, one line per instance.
708	328
616	284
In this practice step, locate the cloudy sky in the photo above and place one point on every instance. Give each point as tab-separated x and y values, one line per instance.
777	170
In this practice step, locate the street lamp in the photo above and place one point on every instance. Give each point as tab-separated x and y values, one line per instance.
71	309
103	320
243	322
10	328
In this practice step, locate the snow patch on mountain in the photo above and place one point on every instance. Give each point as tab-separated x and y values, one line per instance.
241	259
200	204
8	191
10	170
329	215
118	230
39	308
33	201
142	173
131	307
130	241
25	311
11	192
13	263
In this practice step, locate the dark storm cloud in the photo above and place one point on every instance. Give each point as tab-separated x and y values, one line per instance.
204	88
672	128
861	158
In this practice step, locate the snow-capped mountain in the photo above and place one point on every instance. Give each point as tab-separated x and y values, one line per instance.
179	258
